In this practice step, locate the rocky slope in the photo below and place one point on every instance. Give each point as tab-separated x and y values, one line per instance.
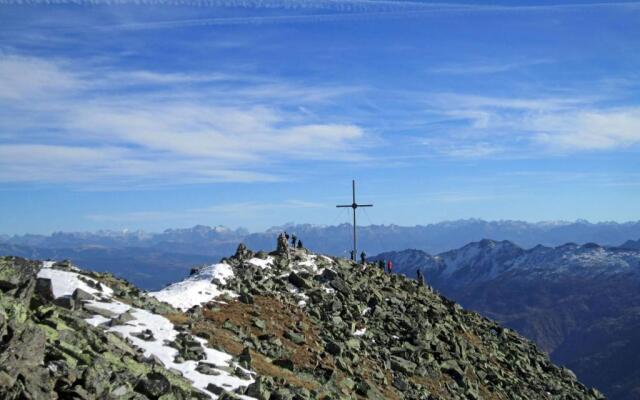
579	303
285	325
71	334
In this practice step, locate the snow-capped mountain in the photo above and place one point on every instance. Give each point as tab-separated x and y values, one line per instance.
487	260
335	239
150	260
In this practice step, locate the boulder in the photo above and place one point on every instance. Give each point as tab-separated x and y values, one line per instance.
65	302
298	281
153	385
81	295
296	338
261	388
402	365
333	348
215	389
242	253
44	289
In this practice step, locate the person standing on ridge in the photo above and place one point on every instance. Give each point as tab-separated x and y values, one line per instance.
294	240
419	276
363	257
390	266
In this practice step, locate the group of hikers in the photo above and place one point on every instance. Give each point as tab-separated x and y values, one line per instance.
385	265
295	242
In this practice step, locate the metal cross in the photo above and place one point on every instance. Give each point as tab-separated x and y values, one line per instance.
354	205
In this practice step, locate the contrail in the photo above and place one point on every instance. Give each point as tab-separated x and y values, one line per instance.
337	5
341	10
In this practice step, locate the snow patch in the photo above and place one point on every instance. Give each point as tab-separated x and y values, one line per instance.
262	263
198	288
360	332
310	262
64	283
164	332
97	320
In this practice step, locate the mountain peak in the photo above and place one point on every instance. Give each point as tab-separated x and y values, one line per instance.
335	320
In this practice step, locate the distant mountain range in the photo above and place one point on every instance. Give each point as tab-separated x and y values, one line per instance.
336	239
150	260
580	303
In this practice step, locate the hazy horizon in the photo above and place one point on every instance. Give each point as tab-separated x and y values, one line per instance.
286	224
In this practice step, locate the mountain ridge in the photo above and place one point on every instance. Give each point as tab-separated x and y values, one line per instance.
123	250
285	325
435	237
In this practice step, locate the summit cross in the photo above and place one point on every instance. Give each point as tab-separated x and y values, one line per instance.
354	205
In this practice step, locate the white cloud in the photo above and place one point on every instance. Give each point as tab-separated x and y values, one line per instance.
473	150
75	124
22	77
466	102
480	68
588	130
486	126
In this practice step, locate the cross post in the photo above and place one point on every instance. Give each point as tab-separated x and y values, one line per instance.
353	206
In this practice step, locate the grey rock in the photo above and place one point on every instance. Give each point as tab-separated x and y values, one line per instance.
81	295
296	338
44	289
153	385
298	281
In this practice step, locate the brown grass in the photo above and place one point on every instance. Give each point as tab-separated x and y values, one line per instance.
433	385
278	317
177	318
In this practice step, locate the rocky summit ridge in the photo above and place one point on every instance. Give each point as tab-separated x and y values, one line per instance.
285	325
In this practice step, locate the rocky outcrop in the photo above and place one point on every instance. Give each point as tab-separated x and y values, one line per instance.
51	352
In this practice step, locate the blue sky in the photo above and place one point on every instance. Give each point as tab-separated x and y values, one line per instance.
255	113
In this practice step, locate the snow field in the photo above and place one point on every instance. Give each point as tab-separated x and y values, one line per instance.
164	332
198	288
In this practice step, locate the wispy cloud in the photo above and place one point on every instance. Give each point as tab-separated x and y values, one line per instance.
484	126
24	77
480	68
92	126
588	129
